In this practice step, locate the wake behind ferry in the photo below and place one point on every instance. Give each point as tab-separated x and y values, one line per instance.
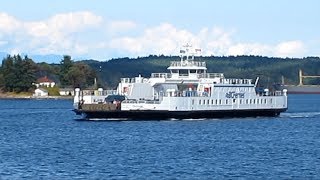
188	91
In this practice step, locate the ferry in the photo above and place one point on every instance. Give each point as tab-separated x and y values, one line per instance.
187	91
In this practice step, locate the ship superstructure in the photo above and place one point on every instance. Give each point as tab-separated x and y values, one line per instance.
186	91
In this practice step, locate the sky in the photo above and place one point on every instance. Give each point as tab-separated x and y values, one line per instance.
105	29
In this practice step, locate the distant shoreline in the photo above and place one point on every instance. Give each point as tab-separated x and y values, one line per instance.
11	96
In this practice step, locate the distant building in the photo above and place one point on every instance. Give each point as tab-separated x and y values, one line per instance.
44	82
40	92
66	92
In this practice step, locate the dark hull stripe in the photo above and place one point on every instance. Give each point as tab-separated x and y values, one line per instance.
163	115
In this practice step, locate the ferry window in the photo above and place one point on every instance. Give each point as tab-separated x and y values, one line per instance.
216	101
265	101
234	100
271	101
240	101
174	71
220	101
226	101
199	102
254	101
183	72
204	101
250	101
200	71
192	101
193	71
246	101
212	101
208	102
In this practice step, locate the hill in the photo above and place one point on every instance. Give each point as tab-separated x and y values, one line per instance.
269	69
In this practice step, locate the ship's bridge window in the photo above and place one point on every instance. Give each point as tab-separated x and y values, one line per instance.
200	71
174	71
183	72
193	71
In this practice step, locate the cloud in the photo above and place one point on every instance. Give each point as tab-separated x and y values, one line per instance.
290	49
58	34
2	43
167	39
121	25
8	23
87	34
249	49
162	39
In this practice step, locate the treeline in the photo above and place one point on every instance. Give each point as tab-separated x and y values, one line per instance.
269	69
18	74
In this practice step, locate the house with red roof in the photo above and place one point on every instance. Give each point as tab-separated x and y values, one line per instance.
45	82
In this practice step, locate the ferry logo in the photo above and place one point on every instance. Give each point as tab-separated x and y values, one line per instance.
233	94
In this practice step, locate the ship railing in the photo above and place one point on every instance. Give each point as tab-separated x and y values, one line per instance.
134	101
211	75
187	63
128	80
98	93
237	81
271	93
161	75
276	93
185	93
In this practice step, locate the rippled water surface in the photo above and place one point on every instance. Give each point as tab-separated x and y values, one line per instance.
44	139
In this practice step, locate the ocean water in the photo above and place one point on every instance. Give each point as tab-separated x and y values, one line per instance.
44	139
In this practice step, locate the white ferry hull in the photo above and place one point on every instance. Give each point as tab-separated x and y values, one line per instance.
167	115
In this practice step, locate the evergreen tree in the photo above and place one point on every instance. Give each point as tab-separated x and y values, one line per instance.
81	75
8	73
28	76
65	66
18	74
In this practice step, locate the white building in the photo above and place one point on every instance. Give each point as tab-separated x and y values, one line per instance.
40	92
45	82
66	92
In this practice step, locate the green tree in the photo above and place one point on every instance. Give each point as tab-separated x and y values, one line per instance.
18	73
28	74
1	80
81	75
65	66
9	75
